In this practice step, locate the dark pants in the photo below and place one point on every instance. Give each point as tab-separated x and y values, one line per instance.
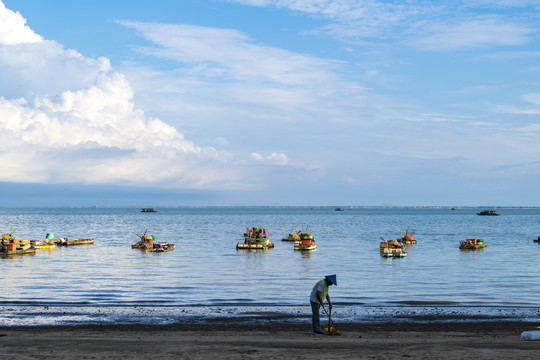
315	319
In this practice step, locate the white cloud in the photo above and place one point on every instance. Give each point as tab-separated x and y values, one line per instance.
480	32
278	159
13	29
256	156
67	118
274	158
533	98
425	24
230	54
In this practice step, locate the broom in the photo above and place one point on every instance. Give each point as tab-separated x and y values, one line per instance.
330	330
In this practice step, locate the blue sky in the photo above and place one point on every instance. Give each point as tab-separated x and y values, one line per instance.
270	102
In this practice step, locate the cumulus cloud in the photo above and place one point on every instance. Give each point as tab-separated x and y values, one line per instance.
257	156
14	29
68	118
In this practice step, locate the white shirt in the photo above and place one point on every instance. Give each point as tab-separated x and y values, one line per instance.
322	287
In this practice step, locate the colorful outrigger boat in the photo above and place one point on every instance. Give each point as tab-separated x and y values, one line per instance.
472	244
149	244
293	236
256	238
43	245
48	244
12	246
305	243
392	248
407	237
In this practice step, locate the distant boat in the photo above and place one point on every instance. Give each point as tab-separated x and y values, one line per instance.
488	213
148	210
339	209
472	244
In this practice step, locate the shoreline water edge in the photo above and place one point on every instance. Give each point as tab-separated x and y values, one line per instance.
260	315
261	332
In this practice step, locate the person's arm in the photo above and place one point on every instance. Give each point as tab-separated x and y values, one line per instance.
318	295
329	302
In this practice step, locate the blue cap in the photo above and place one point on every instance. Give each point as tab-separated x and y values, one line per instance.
332	278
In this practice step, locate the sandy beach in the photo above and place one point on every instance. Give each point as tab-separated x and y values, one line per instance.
275	340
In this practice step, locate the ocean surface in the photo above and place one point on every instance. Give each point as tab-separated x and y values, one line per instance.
205	271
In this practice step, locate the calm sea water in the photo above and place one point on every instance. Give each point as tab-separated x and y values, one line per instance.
206	269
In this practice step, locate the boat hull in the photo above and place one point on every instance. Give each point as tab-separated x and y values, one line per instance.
299	247
30	251
162	248
75	242
45	247
254	246
469	246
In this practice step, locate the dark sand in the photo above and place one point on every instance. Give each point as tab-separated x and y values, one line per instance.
271	340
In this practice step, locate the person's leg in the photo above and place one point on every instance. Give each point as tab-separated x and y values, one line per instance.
315	319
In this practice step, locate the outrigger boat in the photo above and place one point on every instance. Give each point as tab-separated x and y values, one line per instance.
12	246
149	244
43	245
472	244
48	244
255	239
407	238
392	248
306	242
64	241
537	240
293	236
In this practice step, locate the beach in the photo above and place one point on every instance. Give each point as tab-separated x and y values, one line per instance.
270	340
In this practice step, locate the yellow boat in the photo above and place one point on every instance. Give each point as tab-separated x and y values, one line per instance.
47	244
45	247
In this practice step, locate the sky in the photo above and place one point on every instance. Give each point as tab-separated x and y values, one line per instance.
269	102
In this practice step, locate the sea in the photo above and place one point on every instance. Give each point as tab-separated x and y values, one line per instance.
206	277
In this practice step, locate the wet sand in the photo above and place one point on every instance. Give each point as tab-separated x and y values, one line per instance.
274	340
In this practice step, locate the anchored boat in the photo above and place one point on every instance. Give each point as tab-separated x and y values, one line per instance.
293	236
48	244
12	246
149	244
392	248
407	237
306	242
64	241
472	244
488	213
255	239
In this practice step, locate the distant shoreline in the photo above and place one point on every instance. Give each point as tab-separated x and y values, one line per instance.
331	207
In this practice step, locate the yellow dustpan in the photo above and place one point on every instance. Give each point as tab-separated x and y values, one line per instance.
330	330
